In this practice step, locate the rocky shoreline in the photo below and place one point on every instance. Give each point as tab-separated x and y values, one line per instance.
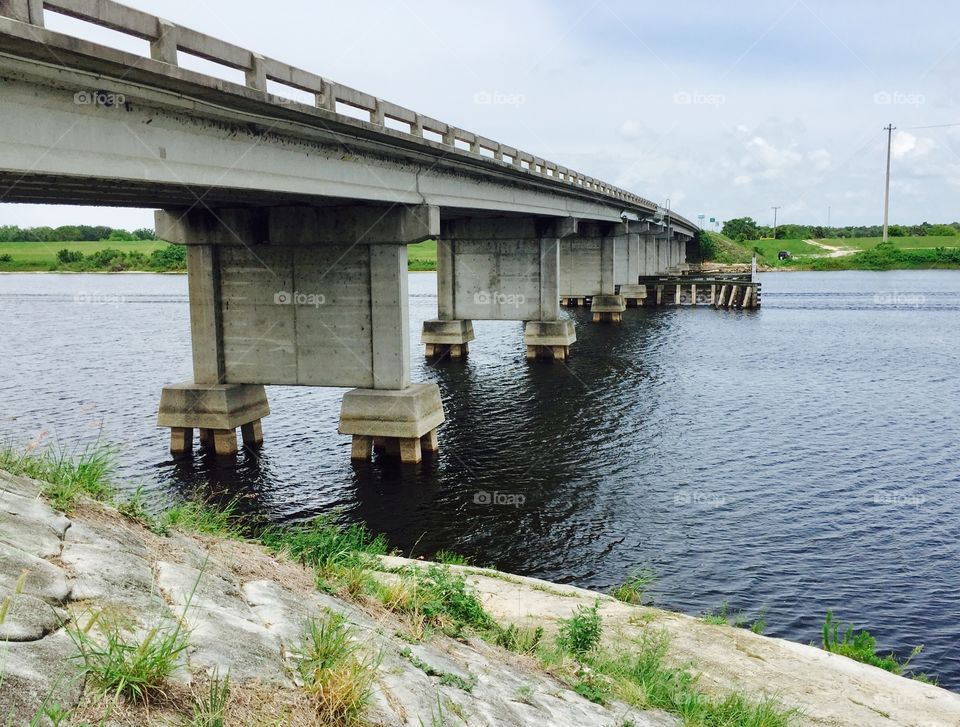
245	608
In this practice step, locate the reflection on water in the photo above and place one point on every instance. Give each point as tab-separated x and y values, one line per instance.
799	458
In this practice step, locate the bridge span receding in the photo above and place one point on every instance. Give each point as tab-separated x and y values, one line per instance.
297	216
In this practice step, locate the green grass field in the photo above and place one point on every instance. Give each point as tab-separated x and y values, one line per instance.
32	256
903	253
42	256
770	248
422	256
903	243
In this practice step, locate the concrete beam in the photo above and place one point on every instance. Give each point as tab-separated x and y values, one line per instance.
368	225
301	225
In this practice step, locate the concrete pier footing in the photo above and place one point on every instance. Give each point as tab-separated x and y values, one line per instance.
393	422
608	308
446	338
216	410
633	294
549	339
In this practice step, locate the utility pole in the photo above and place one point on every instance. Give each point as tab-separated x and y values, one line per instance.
828	217
775	220
886	192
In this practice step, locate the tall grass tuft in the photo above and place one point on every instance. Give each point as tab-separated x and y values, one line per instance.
861	646
633	589
580	634
121	664
336	675
66	475
210	707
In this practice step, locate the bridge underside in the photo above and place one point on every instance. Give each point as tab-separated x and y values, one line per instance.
297	218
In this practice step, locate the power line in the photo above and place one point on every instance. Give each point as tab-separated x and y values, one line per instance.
932	126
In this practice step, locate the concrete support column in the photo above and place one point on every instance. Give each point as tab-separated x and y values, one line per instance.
632	292
300	296
608	306
492	268
550	337
446	335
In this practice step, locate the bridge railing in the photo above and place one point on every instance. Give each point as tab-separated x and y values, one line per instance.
167	40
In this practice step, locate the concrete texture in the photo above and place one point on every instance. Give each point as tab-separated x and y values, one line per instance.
409	413
211	406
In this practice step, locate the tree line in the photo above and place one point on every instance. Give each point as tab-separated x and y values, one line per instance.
746	228
73	233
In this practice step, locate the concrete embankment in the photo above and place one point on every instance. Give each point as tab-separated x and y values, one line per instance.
245	609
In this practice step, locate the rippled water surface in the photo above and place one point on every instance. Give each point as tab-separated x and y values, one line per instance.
794	459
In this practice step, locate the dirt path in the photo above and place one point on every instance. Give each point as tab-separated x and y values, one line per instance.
831	250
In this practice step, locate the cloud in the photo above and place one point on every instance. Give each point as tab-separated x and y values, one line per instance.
906	145
820	158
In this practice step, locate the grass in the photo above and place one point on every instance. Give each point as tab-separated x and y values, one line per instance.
66	474
42	256
324	545
640	676
901	243
447	679
861	646
633	589
121	664
210	708
580	634
422	256
738	619
203	518
900	253
435	598
337	677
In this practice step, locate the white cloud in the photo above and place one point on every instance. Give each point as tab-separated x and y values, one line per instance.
820	158
905	144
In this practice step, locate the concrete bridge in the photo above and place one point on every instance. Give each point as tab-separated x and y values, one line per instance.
296	216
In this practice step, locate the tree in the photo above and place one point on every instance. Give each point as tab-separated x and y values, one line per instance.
741	228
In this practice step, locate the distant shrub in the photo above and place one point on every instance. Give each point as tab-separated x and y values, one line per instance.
66	256
171	257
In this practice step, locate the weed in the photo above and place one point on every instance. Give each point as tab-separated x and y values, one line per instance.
439	598
580	634
592	685
641	678
634	588
446	557
209	708
524	695
202	517
324	545
136	510
66	475
519	640
336	676
446	678
861	646
124	666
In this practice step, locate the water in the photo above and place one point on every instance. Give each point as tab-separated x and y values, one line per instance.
797	458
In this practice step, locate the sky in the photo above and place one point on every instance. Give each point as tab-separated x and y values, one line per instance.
725	109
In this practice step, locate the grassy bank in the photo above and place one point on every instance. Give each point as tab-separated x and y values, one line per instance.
865	253
142	255
103	256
